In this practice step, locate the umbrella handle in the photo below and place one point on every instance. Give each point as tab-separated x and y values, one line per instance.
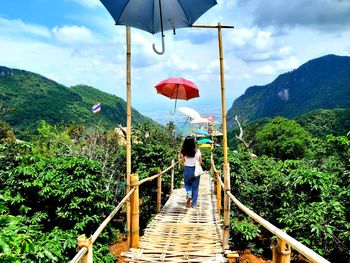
163	47
161	29
173	113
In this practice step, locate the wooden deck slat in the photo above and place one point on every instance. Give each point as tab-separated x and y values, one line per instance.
180	234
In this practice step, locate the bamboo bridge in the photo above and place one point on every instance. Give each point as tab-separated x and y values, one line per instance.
179	234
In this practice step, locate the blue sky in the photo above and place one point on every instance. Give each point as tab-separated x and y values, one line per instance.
76	42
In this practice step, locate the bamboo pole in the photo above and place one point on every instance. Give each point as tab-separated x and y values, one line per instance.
84	249
212	26
227	207
110	217
159	193
84	242
172	176
134	200
79	255
308	253
224	146
218	192
281	252
154	176
128	127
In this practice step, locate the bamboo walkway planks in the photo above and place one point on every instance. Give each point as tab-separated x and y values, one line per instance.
179	234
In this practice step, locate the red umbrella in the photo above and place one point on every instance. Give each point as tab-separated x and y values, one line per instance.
177	88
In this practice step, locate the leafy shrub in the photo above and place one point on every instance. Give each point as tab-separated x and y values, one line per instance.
308	198
6	133
283	139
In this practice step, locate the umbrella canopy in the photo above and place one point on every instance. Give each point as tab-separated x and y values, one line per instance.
200	121
216	133
206	145
189	112
201	132
209	118
205	140
157	15
145	14
177	88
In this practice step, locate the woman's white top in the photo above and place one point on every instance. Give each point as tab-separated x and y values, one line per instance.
191	161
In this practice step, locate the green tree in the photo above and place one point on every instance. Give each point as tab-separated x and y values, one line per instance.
283	139
6	133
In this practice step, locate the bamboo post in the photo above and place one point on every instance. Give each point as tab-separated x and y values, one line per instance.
128	128
218	192
212	171
232	257
134	200
226	165
85	242
224	143
281	252
159	192
172	176
227	206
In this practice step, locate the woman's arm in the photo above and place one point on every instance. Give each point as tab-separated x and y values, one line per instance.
200	159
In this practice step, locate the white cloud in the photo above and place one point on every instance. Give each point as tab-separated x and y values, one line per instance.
16	27
181	63
227	4
318	14
280	66
288	64
263	40
88	3
214	67
74	35
265	70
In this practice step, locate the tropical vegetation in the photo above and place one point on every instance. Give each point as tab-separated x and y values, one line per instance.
299	182
64	183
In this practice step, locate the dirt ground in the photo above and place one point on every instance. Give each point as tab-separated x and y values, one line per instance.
118	248
248	257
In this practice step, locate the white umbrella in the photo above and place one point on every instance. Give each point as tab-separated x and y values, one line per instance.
200	121
193	114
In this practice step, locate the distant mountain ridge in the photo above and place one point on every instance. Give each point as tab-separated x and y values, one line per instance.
26	98
321	83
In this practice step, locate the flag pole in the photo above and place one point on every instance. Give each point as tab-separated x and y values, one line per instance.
128	131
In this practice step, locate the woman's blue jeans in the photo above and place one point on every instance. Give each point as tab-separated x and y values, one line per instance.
191	184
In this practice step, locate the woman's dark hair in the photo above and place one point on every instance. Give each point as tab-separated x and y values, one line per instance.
188	147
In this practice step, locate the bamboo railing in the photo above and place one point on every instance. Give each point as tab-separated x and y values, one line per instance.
85	245
281	252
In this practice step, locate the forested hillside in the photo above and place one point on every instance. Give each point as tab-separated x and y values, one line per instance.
322	83
27	98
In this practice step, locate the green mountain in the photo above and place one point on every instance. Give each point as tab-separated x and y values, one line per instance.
26	98
322	83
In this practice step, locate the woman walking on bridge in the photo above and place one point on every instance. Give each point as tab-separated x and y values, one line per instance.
190	154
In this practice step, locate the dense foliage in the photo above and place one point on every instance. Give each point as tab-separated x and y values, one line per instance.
324	122
27	98
283	139
66	181
322	83
302	188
